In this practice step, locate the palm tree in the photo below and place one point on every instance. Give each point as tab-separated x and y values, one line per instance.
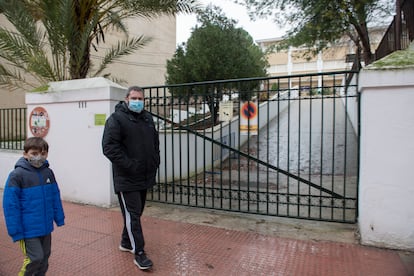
53	39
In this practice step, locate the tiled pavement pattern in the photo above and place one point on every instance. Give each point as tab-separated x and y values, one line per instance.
88	245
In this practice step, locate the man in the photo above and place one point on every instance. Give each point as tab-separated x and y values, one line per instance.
130	141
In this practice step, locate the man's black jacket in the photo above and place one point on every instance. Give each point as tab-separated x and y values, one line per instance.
130	141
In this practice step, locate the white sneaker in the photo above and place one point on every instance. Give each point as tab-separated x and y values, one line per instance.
125	249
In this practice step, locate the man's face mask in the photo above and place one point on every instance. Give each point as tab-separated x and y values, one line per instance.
136	105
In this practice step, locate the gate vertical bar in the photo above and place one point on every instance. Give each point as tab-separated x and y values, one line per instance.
345	153
278	151
321	154
299	143
288	150
332	201
267	145
310	152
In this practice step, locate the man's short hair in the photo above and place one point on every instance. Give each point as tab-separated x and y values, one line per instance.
36	143
134	88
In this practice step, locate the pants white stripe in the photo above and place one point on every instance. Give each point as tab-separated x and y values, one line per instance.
128	222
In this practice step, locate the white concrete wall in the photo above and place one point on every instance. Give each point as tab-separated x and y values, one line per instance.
386	186
8	159
83	173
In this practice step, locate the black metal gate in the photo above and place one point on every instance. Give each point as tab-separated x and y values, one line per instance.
282	146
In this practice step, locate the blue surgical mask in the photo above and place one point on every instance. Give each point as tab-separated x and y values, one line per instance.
136	105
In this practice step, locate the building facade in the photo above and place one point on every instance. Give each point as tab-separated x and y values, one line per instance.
294	61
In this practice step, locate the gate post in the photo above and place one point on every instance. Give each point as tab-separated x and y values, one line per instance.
386	185
71	117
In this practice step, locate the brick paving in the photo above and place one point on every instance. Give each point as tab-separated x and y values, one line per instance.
88	245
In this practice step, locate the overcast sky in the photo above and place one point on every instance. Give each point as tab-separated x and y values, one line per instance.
259	29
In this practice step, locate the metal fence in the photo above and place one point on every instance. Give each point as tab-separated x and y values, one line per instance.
298	157
13	128
400	32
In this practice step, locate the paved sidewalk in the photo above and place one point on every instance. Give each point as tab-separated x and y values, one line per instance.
199	243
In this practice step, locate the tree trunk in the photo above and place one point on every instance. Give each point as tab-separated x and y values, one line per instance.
79	62
363	34
79	68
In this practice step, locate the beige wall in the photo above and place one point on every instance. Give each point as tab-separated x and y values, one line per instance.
293	61
147	66
11	99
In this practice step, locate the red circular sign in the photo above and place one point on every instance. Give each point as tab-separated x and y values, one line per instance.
249	110
39	122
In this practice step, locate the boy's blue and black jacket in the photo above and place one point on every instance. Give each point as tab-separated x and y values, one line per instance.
31	201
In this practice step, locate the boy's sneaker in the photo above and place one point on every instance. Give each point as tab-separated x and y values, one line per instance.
142	261
125	248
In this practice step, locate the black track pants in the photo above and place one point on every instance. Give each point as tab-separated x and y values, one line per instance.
132	206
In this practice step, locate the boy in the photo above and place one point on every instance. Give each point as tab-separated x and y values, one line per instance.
31	202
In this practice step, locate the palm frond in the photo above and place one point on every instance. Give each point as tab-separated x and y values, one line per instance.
12	80
24	48
52	39
116	80
39	63
122	48
114	20
13	47
25	25
154	8
27	60
57	20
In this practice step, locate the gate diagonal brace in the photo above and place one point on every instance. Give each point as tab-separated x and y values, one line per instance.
316	186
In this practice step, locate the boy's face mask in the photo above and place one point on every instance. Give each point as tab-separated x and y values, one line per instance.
37	161
136	105
36	158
